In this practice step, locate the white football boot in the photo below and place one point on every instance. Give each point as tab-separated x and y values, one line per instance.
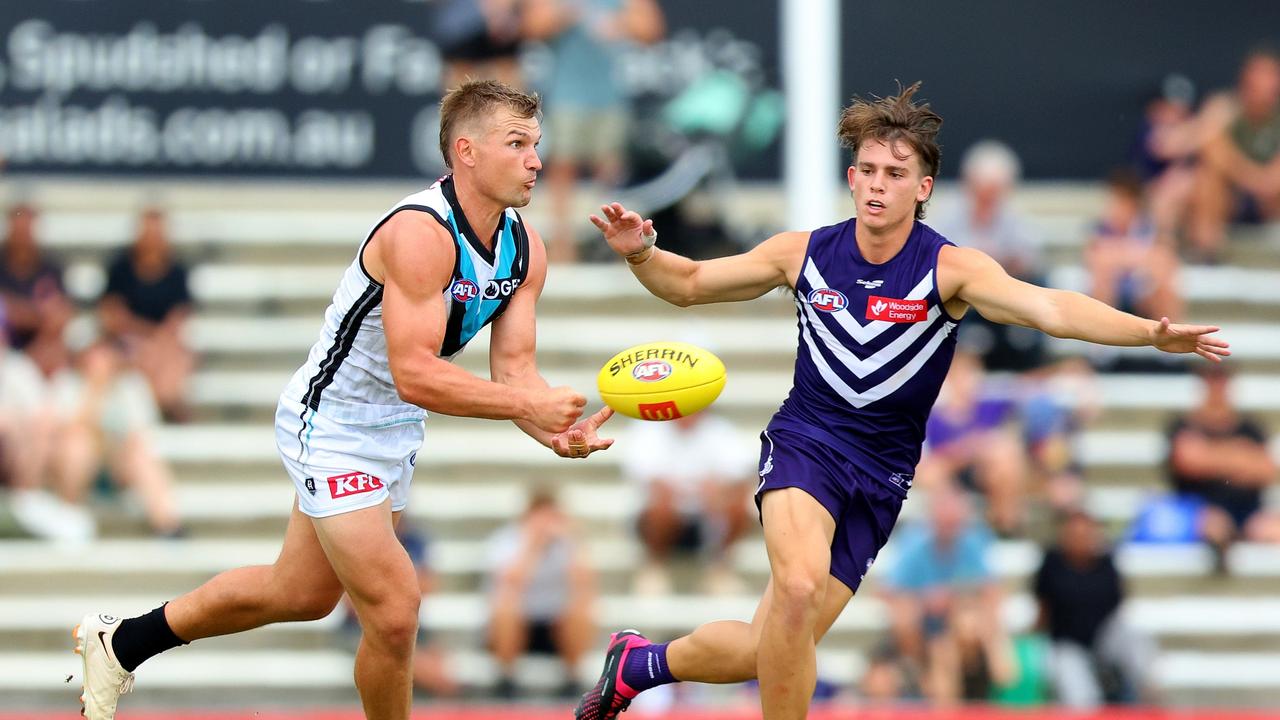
104	680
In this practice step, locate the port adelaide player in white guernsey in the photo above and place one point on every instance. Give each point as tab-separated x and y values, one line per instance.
439	266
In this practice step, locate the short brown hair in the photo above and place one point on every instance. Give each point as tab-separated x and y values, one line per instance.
477	98
891	119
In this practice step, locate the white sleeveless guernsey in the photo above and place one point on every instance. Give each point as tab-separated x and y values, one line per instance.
341	413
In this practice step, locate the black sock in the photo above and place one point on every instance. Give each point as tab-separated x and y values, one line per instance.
143	637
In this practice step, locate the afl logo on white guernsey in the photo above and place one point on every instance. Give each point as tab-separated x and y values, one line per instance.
828	300
651	370
463	290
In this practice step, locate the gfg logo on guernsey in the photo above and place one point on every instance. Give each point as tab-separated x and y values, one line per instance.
501	288
828	300
353	483
897	310
463	290
651	370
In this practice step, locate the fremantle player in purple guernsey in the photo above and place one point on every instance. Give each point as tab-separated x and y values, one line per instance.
878	298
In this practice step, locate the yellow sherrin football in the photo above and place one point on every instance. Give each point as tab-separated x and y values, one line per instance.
661	380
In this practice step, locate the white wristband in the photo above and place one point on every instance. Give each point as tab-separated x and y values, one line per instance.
649	238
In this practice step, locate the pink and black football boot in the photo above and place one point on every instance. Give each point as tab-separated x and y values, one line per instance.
611	695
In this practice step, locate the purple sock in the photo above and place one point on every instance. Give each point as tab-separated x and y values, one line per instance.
646	667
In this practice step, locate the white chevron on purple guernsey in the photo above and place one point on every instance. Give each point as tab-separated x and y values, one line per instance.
875	343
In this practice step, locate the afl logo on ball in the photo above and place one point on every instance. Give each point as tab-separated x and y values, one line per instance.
463	290
827	300
651	370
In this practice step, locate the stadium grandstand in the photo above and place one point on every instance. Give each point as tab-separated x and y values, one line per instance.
266	239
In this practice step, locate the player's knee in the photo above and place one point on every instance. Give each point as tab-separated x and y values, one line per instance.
393	624
799	591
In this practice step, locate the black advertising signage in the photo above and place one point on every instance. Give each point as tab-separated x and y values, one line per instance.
281	88
348	89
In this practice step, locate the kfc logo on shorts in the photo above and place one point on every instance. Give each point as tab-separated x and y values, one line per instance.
463	290
828	300
896	310
353	483
651	370
659	411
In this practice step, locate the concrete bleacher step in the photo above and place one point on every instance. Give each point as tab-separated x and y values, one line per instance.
303	286
489	444
471	509
106	566
462	618
742	342
1128	477
1123	399
235	664
1228	679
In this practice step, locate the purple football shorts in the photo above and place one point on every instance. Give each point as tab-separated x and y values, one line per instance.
865	509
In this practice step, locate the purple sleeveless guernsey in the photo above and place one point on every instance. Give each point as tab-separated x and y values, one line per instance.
875	345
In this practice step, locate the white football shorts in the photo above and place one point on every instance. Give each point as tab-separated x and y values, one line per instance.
340	467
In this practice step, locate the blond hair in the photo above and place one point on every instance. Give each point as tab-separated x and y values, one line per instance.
474	99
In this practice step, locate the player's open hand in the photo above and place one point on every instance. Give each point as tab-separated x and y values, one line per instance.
622	228
1196	339
581	440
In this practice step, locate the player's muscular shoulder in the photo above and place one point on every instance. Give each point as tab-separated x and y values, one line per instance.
956	267
786	252
410	249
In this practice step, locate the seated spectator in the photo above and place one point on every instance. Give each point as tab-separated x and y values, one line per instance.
889	678
697	478
1079	592
1168	145
944	603
430	669
588	118
969	438
27	439
1054	406
1239	176
1130	266
1219	460
982	217
541	592
37	309
144	310
106	417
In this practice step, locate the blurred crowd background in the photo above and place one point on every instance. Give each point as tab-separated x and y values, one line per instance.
1087	527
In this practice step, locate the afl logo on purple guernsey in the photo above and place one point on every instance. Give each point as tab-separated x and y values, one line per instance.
463	290
651	370
828	300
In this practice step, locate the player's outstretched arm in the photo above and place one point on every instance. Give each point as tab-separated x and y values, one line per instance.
684	282
513	362
413	258
974	278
